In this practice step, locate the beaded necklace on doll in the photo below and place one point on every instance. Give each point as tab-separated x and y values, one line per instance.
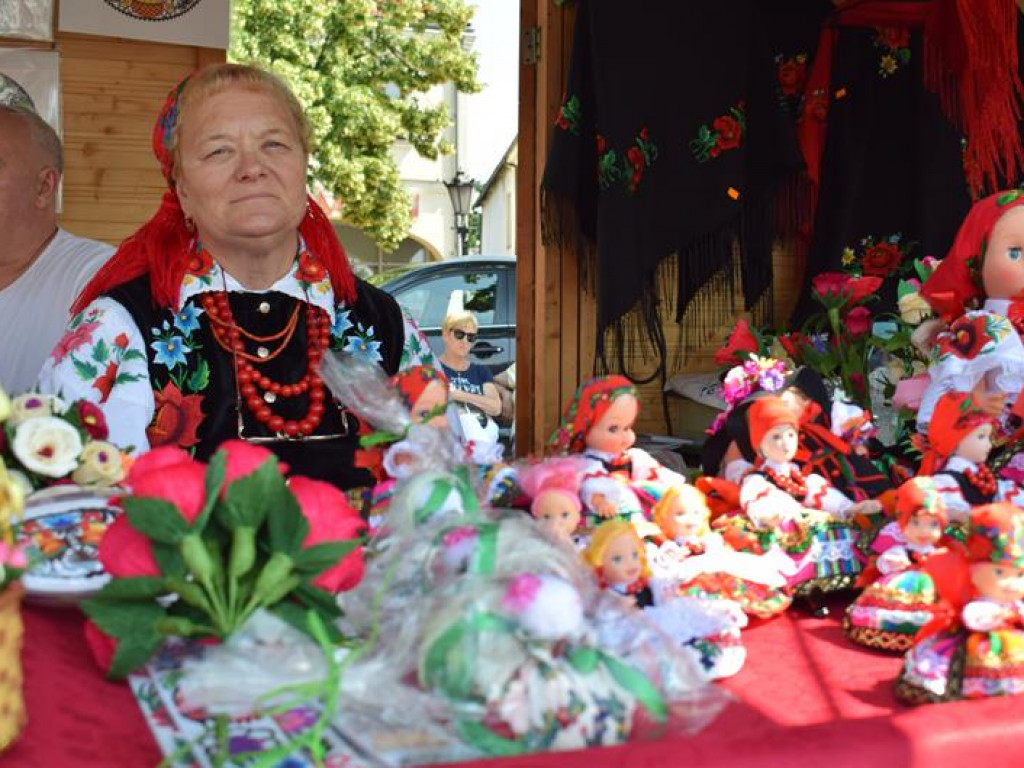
794	484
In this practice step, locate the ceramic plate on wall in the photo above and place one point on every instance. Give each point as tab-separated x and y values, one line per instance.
61	529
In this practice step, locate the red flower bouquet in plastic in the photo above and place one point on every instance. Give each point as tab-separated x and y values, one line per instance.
201	547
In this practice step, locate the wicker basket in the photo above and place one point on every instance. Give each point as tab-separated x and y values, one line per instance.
12	705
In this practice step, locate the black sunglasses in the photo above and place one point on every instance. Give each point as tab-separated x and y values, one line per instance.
460	334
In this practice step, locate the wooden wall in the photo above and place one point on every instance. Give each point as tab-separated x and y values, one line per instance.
112	90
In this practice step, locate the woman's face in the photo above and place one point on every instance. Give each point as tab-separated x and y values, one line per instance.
241	168
976	445
1002	270
613	432
459	339
620	563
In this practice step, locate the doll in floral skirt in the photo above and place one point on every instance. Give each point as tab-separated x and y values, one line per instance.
974	648
900	597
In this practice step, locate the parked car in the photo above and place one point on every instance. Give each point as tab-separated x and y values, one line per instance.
488	284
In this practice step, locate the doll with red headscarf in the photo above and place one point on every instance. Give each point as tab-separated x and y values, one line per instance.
900	597
978	291
598	424
974	645
959	442
800	511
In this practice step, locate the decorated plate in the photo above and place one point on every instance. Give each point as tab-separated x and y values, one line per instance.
61	530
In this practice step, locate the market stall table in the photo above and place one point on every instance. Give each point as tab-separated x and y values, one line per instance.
805	697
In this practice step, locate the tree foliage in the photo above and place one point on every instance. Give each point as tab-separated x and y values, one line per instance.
361	68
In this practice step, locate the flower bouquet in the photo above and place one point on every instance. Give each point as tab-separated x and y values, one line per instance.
45	442
13	562
200	548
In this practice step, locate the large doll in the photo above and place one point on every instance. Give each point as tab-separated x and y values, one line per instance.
959	442
800	511
976	648
620	480
693	560
977	291
900	597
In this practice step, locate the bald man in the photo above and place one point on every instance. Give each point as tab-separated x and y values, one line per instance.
42	267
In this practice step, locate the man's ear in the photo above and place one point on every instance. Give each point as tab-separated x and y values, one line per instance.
48	184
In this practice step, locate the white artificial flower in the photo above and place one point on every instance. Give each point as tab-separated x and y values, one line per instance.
914	308
47	446
29	406
5	405
99	465
20	479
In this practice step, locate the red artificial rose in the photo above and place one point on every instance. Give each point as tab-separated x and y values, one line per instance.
830	284
311	270
102	646
243	458
881	259
893	37
105	382
861	288
858	322
643	133
330	518
177	418
125	553
729	132
636	158
601	144
93	421
181	481
857	379
791	76
792	343
742	339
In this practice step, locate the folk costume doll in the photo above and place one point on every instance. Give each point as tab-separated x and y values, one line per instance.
553	487
692	560
900	597
974	649
598	424
976	291
800	511
959	442
616	553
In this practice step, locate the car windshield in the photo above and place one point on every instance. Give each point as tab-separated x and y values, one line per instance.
428	301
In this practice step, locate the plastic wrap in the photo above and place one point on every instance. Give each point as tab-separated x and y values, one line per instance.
27	19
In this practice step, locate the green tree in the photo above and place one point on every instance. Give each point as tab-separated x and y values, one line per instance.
361	69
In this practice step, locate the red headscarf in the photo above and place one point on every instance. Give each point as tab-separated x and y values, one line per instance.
956	283
161	247
919	495
766	413
592	401
997	534
955	417
411	382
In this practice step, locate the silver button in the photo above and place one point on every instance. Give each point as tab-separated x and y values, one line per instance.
269	397
264	307
262	353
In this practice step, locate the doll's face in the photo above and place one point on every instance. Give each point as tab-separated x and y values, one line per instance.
923	529
620	562
556	513
1002	270
434	397
686	520
1001	583
780	443
613	432
976	445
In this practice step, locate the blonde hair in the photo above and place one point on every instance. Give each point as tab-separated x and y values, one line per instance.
690	496
604	535
217	78
458	318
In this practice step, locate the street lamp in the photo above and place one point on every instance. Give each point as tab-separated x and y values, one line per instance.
460	190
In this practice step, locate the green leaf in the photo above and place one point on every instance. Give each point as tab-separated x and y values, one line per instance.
124	620
248	499
85	371
132	354
101	352
124	378
322	601
286	525
168	558
320	557
135	588
214	482
133	653
158	519
298	616
200	378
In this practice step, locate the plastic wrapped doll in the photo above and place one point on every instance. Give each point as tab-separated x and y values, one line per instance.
709	629
981	347
975	649
900	597
553	487
801	512
598	424
959	442
695	561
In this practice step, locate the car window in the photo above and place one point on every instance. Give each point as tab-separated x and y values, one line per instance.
428	301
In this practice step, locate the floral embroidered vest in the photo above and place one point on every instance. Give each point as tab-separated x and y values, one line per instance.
193	378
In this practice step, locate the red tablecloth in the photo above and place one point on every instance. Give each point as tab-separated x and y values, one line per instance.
806	697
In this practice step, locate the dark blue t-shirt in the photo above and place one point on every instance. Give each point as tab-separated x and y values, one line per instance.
471	380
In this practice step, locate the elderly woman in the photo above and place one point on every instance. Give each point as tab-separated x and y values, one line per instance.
210	322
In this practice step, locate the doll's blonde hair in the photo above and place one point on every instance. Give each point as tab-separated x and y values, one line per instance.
690	496
604	535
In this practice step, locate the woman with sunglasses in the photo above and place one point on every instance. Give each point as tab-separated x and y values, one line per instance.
471	384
